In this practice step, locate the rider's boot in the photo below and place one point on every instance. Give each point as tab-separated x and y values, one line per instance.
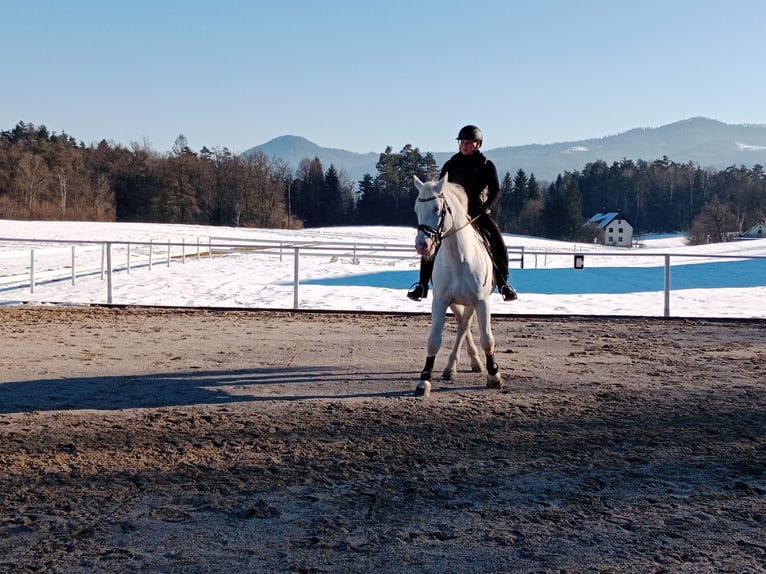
508	293
420	289
418	292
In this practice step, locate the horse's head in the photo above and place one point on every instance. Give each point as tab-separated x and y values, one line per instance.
430	207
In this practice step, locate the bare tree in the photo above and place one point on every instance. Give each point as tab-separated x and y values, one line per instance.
60	174
31	179
715	223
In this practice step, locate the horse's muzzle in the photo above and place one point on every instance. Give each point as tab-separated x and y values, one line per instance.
425	246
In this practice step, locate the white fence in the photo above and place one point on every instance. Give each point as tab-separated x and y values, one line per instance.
124	256
109	257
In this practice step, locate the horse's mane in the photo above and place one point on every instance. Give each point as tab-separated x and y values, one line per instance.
454	191
458	193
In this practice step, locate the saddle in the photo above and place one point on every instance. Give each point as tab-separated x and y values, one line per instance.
486	242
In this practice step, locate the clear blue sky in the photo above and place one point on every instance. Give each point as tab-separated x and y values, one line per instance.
365	74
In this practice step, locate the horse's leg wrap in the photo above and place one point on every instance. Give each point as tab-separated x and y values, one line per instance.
425	374
492	367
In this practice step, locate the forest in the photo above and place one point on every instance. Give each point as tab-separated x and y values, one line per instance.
45	175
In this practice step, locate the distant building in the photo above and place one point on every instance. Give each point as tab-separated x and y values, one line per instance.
612	229
757	231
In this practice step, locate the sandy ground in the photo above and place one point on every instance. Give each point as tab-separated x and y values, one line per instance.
140	440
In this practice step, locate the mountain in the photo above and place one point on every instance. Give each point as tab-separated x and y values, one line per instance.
702	141
292	149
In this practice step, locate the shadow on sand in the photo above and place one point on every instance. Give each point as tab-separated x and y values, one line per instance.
204	388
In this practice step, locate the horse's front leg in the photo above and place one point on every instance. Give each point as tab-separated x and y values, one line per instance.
438	314
487	341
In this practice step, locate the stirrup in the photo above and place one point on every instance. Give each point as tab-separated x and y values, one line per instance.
417	292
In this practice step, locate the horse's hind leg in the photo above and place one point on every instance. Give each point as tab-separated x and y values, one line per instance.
494	380
473	352
493	373
464	316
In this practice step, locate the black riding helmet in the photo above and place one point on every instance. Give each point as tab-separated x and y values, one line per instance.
470	133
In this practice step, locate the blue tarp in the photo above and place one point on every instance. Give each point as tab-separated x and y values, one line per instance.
565	281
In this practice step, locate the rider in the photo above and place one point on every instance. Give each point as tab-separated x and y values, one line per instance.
472	170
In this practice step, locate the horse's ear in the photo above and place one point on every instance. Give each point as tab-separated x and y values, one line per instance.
418	183
440	184
446	176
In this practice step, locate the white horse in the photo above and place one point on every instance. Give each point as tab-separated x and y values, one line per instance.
462	277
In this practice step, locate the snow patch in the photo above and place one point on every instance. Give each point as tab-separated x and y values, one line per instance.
575	149
747	147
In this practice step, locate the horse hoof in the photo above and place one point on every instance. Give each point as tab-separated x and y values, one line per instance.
447	374
494	383
423	389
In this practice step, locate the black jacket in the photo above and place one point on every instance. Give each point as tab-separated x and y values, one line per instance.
475	173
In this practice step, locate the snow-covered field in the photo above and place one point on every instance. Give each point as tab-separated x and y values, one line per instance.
347	269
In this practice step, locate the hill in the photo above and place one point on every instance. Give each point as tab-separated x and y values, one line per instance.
702	141
292	149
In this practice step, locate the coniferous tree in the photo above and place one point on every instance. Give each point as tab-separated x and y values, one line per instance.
395	186
562	215
389	183
310	190
533	188
331	203
520	192
179	203
369	202
502	211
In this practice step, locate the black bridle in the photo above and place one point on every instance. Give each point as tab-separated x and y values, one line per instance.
438	234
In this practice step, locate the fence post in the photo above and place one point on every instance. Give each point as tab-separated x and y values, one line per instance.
296	279
74	273
103	255
109	272
168	251
32	270
151	250
667	286
128	259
